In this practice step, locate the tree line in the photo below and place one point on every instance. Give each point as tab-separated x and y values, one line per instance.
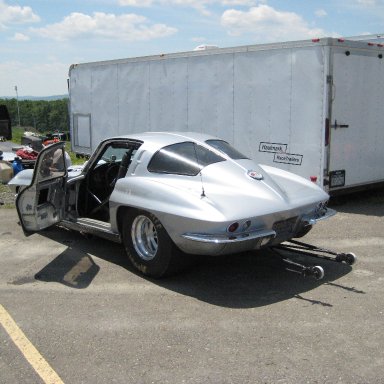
40	115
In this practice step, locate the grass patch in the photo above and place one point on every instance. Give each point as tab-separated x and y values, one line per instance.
18	132
72	155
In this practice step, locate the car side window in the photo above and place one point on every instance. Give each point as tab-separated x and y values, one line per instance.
113	153
182	159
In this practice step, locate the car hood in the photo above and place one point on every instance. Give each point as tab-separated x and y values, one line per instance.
21	179
24	177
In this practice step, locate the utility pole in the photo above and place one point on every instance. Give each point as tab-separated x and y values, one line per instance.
17	103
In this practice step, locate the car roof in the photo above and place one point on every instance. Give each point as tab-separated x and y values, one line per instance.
166	138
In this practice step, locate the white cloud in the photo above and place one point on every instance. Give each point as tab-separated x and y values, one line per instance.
20	37
199	5
37	79
198	39
136	3
128	27
267	24
14	14
190	3
248	3
321	13
368	3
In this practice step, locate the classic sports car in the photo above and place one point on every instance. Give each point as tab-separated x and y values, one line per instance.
166	194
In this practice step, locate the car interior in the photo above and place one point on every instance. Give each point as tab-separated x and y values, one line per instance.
97	187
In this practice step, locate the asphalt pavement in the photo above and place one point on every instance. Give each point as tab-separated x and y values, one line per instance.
76	305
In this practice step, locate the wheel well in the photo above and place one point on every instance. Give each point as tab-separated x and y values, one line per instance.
121	213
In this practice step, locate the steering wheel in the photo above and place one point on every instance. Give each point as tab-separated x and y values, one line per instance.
102	180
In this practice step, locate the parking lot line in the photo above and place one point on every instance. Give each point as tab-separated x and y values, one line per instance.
31	354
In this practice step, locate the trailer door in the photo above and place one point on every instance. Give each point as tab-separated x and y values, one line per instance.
356	129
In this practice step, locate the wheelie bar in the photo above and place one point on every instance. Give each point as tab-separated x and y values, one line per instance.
310	250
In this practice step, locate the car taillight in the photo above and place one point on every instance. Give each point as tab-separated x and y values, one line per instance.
233	227
246	225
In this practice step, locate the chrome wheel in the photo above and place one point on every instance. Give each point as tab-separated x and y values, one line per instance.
144	237
148	245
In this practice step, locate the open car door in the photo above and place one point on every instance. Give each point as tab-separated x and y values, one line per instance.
42	203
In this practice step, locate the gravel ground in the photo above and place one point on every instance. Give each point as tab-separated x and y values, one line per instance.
237	319
7	197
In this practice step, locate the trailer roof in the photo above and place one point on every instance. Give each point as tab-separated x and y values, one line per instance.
325	41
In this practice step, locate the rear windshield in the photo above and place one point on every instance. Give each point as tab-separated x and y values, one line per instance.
182	159
226	148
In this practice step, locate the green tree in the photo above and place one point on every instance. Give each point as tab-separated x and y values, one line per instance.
45	116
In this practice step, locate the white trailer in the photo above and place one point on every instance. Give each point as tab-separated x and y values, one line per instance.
310	107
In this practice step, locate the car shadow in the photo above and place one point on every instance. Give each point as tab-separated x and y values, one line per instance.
247	280
252	279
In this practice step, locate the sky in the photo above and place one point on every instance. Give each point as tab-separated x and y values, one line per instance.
40	39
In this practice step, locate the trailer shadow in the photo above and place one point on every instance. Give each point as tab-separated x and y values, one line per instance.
247	280
369	202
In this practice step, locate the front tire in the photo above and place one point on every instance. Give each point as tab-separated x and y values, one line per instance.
148	245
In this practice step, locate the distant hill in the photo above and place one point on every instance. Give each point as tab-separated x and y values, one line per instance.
46	98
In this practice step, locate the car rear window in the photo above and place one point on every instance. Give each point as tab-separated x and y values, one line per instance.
182	159
226	148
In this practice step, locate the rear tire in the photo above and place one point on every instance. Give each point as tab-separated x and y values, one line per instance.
148	245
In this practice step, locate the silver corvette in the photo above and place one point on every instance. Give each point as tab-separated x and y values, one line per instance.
167	194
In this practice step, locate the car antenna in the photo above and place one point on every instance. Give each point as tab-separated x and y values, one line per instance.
202	186
201	175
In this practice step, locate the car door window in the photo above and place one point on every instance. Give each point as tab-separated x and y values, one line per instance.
52	164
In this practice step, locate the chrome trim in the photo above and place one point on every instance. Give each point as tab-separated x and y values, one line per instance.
310	220
225	239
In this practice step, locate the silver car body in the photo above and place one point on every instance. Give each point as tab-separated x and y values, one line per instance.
229	206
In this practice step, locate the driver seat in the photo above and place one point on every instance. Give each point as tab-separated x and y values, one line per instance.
125	161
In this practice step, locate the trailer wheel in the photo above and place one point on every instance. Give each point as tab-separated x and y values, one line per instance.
148	245
350	258
317	272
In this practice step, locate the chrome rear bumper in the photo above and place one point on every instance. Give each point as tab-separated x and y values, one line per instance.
229	238
215	244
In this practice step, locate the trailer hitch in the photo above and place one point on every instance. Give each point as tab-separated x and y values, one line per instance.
305	249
